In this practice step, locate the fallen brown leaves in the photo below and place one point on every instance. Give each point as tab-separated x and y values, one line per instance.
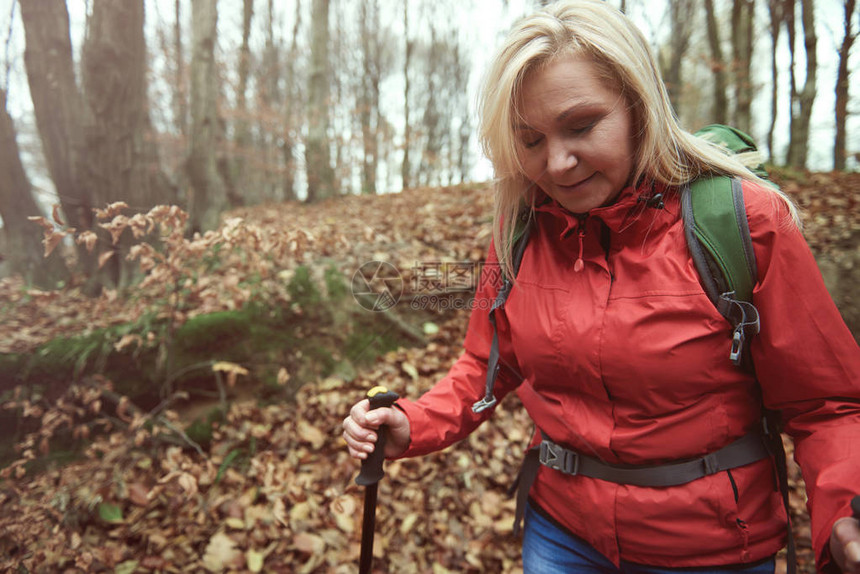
830	208
275	492
419	225
253	255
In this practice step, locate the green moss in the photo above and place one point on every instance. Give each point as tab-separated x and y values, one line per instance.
323	333
60	361
302	289
335	284
200	432
213	333
370	337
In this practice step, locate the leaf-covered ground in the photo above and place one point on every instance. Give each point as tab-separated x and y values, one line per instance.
274	490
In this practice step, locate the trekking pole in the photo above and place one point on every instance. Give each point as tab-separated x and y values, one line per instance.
370	475
855	507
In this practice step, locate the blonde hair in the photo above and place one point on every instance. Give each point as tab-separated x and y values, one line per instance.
665	153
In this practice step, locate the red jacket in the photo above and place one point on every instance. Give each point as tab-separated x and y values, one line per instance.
627	360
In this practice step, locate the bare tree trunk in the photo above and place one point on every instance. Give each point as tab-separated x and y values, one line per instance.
319	170
179	94
369	100
465	129
720	111
57	103
681	21
242	127
293	101
122	158
743	12
790	13
842	85
343	97
776	11
405	167
23	237
268	102
120	151
209	195
801	114
430	120
442	104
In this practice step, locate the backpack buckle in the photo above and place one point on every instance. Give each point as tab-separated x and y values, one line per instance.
738	339
744	316
559	458
484	404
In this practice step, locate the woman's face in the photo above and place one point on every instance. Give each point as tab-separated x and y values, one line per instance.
575	134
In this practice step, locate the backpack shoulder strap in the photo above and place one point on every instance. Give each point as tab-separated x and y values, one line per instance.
718	237
521	239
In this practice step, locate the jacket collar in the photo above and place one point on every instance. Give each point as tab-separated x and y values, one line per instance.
628	208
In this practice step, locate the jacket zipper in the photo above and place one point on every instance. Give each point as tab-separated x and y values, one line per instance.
744	529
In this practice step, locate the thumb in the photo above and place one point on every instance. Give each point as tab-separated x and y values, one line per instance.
845	544
397	424
390	416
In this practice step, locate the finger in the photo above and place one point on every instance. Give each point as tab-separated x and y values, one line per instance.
851	535
852	556
359	410
360	439
382	416
358	436
357	448
358	454
847	530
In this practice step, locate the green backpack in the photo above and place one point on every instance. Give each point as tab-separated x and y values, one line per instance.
718	238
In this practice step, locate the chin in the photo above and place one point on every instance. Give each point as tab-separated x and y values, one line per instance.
583	206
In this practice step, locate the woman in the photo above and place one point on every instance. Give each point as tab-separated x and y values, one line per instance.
609	339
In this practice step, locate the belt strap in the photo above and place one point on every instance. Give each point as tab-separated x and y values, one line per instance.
746	450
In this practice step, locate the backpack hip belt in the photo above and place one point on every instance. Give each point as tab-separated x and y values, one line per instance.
746	450
750	448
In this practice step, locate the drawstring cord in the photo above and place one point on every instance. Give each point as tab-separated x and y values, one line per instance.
580	264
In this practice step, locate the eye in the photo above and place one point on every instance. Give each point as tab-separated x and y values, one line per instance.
529	138
582	128
533	142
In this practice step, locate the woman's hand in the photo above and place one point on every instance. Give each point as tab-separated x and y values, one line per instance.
361	426
845	544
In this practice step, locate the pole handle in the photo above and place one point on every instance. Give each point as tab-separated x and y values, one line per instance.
855	507
371	467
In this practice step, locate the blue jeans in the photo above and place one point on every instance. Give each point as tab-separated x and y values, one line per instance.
548	549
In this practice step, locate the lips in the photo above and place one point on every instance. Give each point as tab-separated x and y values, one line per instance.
575	186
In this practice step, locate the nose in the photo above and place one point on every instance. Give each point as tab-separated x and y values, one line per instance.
561	158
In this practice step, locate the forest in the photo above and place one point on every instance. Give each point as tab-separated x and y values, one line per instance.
191	192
